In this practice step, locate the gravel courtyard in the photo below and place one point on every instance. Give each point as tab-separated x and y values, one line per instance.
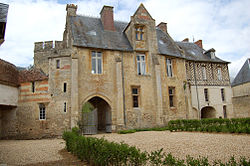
180	144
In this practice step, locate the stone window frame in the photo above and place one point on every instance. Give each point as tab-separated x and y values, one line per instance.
42	111
172	96
206	94
141	63
96	59
58	63
204	72
169	67
219	73
222	91
135	92
139	32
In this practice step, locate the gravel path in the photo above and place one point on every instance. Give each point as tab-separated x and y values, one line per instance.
50	151
180	144
20	152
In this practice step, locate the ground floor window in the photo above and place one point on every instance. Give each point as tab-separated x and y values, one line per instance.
135	96
171	92
42	115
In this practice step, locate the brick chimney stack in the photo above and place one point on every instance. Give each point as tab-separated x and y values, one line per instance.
163	26
71	9
185	40
199	43
107	18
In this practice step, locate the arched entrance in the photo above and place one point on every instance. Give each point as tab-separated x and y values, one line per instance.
208	112
99	119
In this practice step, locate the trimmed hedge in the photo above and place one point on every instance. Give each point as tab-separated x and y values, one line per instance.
101	152
235	125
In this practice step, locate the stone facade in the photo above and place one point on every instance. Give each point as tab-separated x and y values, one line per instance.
134	75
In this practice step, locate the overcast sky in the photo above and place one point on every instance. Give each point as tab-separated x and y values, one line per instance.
222	24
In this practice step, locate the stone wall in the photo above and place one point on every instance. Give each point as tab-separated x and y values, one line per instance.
8	95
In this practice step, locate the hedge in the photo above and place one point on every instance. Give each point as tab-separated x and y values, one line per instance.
235	125
100	152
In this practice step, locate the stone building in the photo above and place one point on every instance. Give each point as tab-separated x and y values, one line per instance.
241	91
134	74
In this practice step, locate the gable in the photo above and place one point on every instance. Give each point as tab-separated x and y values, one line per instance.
142	13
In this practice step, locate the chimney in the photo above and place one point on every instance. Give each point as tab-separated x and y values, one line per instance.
71	9
107	18
185	40
199	43
163	26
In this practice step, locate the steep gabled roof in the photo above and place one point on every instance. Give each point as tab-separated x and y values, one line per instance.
195	53
166	45
244	74
89	32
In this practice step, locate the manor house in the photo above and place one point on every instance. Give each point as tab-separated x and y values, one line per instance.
134	74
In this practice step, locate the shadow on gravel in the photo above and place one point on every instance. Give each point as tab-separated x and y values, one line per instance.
68	159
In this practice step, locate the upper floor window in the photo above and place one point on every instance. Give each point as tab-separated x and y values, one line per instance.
96	59
206	94
135	96
169	67
42	114
141	64
65	107
204	73
33	87
64	87
58	64
171	92
222	94
139	33
219	75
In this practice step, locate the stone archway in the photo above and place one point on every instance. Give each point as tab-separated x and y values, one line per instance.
208	112
99	117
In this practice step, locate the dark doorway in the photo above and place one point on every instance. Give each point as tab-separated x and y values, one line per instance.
208	112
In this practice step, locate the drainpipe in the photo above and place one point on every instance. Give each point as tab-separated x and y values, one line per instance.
123	95
197	94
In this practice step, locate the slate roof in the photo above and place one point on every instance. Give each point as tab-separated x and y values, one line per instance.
244	74
31	75
88	32
195	53
3	12
166	45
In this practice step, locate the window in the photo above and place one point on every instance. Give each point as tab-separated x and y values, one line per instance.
64	87
171	92
141	65
222	94
204	74
58	64
42	115
139	33
206	94
169	67
219	75
96	59
135	96
65	107
33	87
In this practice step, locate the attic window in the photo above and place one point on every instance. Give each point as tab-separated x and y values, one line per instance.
212	55
139	33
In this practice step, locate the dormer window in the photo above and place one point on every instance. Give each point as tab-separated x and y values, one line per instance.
139	33
212	55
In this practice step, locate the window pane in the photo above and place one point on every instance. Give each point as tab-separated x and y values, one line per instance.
99	55
141	36
99	66
138	68
171	101
138	58
143	70
93	54
93	65
142	57
134	91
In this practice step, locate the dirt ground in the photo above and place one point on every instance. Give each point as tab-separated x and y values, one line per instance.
52	151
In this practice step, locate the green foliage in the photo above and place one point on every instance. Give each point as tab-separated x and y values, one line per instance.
100	152
126	131
236	125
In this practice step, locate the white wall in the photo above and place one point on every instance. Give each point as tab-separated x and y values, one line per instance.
8	95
